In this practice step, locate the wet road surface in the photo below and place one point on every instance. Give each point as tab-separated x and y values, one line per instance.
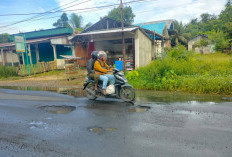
39	123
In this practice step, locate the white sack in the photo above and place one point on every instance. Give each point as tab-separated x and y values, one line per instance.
110	89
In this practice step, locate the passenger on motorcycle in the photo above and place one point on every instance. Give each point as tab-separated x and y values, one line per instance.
90	68
101	68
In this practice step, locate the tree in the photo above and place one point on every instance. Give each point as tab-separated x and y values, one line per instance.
76	21
225	19
218	38
178	36
4	38
128	14
88	25
206	18
62	22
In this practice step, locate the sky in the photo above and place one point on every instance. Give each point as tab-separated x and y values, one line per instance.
145	11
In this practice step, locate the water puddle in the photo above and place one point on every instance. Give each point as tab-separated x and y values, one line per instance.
37	125
227	98
58	109
76	92
139	109
159	97
166	98
100	130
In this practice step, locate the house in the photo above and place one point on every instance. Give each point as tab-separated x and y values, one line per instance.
203	50
106	35
43	46
164	29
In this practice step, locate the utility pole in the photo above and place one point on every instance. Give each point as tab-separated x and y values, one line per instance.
25	42
123	40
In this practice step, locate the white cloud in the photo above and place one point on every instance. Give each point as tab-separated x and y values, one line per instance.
182	10
151	10
188	10
89	15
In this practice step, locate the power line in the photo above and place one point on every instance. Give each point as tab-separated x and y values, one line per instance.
82	10
45	13
38	13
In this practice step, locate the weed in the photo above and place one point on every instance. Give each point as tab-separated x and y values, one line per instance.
185	71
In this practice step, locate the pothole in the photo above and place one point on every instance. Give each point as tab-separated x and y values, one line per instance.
58	109
139	109
100	130
96	130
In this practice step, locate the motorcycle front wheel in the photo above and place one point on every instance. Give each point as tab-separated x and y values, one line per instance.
90	92
127	94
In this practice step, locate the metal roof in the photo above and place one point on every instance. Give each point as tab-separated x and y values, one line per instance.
45	33
105	23
157	27
31	41
108	31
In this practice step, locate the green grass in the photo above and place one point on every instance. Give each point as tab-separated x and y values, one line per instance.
181	70
7	71
50	73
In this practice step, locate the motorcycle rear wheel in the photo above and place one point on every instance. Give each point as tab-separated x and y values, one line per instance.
90	92
127	94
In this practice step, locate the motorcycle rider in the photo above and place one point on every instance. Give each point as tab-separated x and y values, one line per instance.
90	68
101	68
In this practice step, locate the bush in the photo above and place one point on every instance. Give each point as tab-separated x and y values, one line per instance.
182	70
7	71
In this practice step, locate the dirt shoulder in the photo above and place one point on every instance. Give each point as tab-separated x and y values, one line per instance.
48	79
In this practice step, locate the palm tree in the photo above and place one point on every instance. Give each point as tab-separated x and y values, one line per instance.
76	21
178	35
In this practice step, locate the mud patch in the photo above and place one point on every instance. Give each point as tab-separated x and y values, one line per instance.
227	98
139	109
96	130
58	109
100	130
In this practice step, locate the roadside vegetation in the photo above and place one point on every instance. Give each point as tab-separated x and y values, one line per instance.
217	28
7	71
181	70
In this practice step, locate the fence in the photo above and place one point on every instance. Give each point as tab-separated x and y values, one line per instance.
37	68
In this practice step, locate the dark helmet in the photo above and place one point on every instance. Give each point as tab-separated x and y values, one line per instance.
94	55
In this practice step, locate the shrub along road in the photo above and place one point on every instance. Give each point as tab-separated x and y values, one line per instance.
185	71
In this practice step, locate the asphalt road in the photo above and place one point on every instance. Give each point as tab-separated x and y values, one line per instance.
38	124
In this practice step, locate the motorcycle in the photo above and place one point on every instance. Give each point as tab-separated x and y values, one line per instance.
123	90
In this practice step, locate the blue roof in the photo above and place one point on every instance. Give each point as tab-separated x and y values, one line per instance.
157	27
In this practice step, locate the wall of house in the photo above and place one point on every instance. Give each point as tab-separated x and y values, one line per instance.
143	49
192	42
1	59
10	58
103	46
203	50
82	52
158	48
108	46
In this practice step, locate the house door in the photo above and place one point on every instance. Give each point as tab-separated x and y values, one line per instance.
91	48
